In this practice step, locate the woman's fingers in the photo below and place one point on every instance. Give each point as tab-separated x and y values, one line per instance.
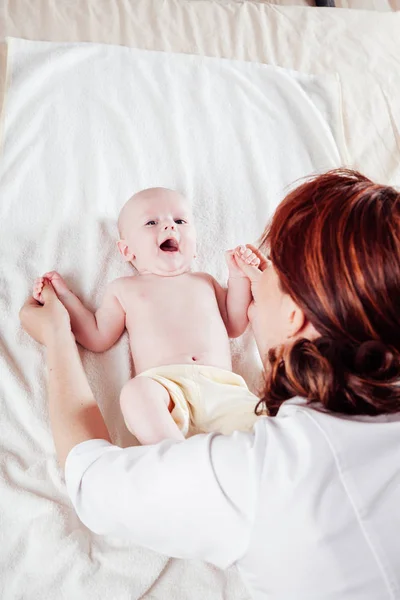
48	293
41	319
26	313
30	302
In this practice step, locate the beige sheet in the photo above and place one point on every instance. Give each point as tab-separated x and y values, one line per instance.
363	47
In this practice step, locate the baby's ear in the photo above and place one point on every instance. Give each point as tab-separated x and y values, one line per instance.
124	251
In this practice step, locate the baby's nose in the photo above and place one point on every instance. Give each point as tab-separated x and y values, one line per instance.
170	226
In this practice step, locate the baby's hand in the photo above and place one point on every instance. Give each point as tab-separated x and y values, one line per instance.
57	282
247	255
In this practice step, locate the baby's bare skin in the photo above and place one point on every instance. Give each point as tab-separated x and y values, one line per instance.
174	320
172	315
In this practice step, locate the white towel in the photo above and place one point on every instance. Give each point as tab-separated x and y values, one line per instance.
84	127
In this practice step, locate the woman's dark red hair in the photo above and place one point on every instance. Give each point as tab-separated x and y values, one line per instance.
335	243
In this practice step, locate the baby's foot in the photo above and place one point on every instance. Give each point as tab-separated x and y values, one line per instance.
58	283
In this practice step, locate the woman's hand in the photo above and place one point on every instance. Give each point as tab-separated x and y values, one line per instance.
44	322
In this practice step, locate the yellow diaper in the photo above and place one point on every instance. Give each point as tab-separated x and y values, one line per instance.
206	398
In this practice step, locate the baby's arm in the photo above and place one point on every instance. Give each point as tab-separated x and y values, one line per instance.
235	301
96	332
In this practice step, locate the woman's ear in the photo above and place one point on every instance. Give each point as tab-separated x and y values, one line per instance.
296	320
298	324
124	251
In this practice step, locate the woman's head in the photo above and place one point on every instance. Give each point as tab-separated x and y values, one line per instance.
333	305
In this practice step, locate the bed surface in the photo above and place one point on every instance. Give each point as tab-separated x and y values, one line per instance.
363	46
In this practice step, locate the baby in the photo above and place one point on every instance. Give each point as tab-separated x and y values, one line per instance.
179	323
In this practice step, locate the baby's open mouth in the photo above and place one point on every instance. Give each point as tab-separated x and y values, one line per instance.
170	245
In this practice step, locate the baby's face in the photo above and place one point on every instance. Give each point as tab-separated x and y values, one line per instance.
158	234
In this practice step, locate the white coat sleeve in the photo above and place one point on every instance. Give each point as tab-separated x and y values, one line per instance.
190	499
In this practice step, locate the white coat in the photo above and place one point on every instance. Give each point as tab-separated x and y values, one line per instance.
307	504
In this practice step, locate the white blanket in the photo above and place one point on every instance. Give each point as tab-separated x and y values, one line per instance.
84	127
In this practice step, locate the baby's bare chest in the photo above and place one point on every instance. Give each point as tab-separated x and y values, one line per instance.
188	299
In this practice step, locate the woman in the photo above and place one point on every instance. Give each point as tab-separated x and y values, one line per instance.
307	505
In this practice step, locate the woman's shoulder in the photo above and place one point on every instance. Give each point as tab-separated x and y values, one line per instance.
297	413
348	442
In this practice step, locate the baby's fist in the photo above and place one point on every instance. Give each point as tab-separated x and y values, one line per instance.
37	289
246	255
58	283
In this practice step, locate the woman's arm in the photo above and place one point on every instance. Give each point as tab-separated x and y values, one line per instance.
74	414
183	499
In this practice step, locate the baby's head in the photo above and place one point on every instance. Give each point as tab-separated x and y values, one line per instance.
157	232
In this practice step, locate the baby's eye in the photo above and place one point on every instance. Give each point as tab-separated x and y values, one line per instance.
150	223
180	221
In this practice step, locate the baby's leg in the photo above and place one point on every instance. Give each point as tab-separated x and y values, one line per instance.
145	407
